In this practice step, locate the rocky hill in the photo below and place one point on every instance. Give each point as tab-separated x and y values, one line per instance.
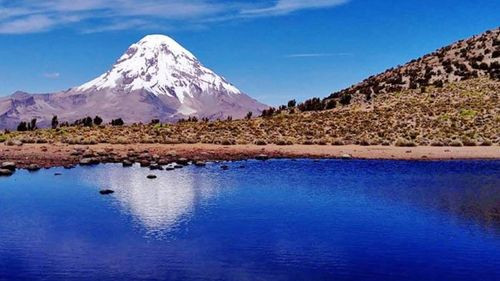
475	57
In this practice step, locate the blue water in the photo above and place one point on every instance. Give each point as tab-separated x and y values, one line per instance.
272	220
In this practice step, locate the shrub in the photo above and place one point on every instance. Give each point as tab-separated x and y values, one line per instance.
260	142
308	142
283	142
338	142
437	143
97	120
345	99
456	143
55	122
321	142
313	104
469	142
330	104
228	142
22	127
364	142
405	143
438	83
117	122
486	142
268	112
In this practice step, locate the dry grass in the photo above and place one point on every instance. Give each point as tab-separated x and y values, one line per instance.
461	113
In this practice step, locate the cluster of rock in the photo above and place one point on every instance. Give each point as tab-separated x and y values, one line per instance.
9	168
144	158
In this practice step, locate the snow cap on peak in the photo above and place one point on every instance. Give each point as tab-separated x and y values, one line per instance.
161	66
158	40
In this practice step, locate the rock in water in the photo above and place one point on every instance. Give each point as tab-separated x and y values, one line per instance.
5	172
151	177
106	191
155	166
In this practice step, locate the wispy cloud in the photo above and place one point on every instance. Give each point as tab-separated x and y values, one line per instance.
28	24
316	55
52	75
30	16
283	7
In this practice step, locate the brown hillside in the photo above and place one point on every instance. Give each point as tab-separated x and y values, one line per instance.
476	57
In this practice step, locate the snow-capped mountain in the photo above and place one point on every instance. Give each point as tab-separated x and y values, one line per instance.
156	78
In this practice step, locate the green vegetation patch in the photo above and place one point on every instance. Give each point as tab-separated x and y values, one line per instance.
468	113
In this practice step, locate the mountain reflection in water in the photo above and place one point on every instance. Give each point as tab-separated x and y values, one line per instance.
158	205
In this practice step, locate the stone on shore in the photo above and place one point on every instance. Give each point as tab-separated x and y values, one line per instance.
345	156
200	163
163	161
127	163
89	161
182	161
5	172
8	166
262	157
33	168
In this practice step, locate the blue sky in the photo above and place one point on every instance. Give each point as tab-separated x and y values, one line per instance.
274	50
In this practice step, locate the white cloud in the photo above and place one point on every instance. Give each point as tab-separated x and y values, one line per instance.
52	75
283	7
28	16
29	24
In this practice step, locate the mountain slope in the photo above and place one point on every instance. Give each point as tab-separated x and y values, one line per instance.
155	78
475	57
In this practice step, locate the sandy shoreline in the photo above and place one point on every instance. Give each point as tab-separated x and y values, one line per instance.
49	155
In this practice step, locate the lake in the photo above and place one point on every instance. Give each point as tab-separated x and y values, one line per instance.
258	220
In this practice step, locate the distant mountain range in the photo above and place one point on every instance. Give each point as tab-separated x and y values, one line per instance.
156	78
